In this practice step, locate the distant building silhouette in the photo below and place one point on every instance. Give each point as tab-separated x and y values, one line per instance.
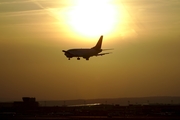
28	99
27	102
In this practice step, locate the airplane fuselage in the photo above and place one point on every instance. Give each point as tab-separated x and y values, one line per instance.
85	53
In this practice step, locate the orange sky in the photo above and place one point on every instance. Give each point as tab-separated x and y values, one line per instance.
144	34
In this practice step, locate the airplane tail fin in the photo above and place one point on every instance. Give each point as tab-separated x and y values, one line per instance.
99	43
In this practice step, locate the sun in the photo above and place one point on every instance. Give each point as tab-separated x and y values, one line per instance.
92	17
79	19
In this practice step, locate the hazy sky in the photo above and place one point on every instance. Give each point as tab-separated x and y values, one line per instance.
145	35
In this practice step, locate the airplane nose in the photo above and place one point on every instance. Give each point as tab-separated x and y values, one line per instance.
67	54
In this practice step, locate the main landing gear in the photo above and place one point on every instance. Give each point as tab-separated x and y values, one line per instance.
78	58
85	58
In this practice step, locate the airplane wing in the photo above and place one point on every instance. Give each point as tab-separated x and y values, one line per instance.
103	54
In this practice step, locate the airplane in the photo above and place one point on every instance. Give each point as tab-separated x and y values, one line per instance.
86	53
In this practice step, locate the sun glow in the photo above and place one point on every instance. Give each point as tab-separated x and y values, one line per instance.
92	17
79	19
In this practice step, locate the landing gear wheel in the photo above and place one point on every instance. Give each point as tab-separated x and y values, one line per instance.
87	58
78	58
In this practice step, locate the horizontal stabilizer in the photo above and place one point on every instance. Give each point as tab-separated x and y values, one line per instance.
108	49
103	54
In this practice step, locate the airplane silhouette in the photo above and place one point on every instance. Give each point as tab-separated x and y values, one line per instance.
86	53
